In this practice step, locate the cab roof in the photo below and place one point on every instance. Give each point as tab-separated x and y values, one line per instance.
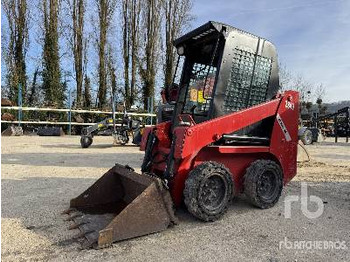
209	28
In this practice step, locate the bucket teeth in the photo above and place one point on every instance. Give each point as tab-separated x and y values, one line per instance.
67	211
74	216
86	244
76	225
83	234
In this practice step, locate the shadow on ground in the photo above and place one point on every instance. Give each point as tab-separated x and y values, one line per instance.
72	159
332	143
334	156
94	145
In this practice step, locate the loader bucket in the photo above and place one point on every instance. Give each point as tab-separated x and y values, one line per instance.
120	205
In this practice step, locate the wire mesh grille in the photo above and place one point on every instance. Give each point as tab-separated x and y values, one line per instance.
246	86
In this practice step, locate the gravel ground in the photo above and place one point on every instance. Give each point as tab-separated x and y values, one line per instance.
40	175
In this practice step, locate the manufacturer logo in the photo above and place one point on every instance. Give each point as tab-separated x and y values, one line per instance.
289	105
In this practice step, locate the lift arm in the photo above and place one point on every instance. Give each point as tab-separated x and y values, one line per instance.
211	131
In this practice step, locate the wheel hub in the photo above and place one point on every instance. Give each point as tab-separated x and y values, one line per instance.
267	185
213	191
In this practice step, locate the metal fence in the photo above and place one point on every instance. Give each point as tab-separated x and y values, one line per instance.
147	117
69	111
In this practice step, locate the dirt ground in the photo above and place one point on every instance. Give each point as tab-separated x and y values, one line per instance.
40	175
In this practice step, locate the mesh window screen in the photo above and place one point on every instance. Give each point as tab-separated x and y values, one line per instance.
245	89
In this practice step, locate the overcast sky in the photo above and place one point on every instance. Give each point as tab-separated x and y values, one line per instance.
312	37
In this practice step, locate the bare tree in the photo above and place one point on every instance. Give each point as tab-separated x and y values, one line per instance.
286	77
319	92
308	91
53	89
77	39
106	10
17	16
135	43
177	16
151	15
126	48
112	72
131	27
304	87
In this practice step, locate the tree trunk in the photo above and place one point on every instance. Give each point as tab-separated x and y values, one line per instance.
102	67
32	99
16	13
53	89
87	94
126	51
78	46
105	11
135	24
151	17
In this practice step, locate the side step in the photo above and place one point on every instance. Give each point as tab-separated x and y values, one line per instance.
245	139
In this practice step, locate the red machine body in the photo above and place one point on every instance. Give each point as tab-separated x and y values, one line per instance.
230	132
195	144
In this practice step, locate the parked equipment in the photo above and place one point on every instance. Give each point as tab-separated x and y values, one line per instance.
308	135
13	131
231	132
120	130
336	124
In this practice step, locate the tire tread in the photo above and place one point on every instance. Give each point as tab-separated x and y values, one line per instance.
251	178
192	187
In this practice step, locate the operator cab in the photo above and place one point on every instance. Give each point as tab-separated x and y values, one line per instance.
225	70
201	69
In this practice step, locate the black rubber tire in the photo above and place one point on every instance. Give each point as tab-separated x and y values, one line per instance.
85	141
197	185
125	139
50	131
263	175
306	137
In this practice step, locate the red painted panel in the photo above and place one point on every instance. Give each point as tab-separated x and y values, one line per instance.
145	134
196	137
284	145
193	144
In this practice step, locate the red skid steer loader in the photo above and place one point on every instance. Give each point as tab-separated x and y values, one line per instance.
230	132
